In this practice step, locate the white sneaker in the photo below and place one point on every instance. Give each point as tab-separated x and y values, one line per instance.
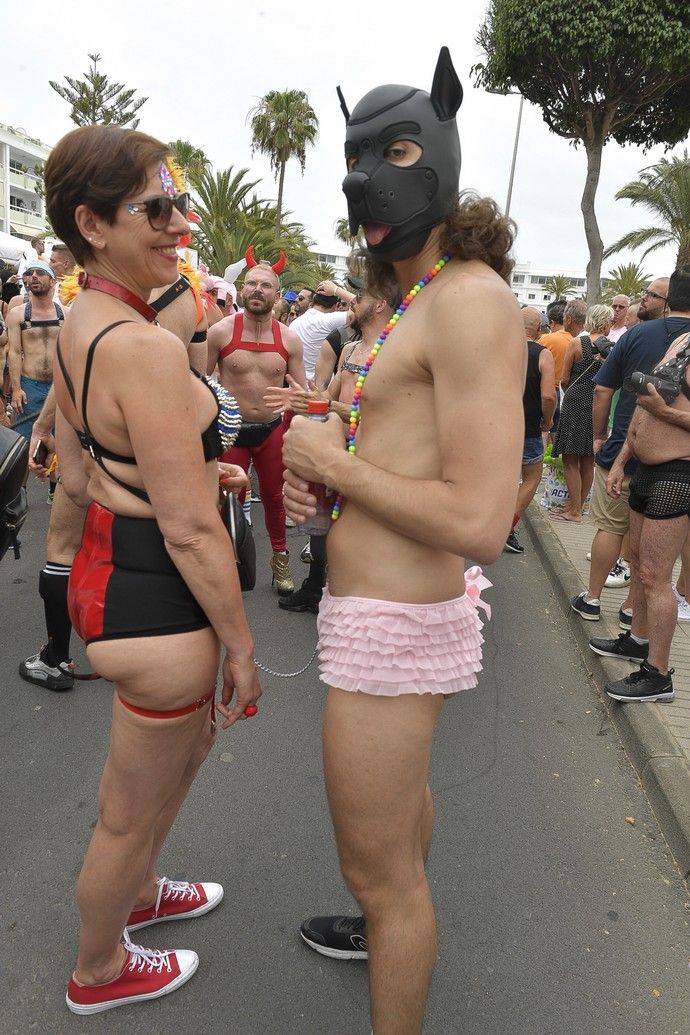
619	576
683	611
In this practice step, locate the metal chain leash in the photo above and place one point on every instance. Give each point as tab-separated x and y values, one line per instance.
286	675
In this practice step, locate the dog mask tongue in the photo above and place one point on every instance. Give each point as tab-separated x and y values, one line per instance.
399	206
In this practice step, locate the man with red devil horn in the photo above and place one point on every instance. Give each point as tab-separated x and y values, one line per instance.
398	625
254	352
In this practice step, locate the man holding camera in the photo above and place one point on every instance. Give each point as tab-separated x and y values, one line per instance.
659	439
639	349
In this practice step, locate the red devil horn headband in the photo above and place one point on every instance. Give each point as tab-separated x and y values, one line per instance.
277	267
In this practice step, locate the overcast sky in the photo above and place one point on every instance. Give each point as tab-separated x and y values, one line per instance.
203	67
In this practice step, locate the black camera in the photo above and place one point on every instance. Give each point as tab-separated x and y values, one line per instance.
668	386
602	346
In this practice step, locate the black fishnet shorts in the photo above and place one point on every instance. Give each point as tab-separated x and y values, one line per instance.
661	490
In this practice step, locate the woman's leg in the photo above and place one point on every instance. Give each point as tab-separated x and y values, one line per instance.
571	471
586	478
150	766
376	758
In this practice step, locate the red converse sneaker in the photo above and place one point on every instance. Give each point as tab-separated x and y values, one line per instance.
147	974
177	900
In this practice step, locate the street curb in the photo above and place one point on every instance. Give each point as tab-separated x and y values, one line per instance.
651	747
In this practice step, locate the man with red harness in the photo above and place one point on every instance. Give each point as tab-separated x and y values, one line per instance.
254	352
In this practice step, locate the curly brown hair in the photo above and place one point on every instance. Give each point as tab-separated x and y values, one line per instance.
474	229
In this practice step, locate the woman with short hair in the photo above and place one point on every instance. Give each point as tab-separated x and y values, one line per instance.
154	589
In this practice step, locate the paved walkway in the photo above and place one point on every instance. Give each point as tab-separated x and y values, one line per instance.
656	736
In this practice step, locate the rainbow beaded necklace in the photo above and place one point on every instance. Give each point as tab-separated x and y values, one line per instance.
376	348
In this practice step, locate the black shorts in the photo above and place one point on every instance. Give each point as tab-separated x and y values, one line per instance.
661	491
123	582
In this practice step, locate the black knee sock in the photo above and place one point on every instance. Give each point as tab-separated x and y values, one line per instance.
52	585
316	579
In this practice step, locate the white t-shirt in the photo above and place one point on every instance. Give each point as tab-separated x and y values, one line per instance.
616	332
312	328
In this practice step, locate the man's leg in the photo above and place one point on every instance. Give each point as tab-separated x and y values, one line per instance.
660	543
605	552
268	462
531	476
376	759
50	667
637	595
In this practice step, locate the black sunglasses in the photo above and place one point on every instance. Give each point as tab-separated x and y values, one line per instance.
159	209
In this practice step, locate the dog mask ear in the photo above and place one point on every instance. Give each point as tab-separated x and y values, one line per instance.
343	104
446	91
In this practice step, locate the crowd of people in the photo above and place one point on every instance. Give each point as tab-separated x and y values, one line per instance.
622	429
141	566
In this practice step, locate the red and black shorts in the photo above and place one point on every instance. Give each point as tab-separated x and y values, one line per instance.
123	582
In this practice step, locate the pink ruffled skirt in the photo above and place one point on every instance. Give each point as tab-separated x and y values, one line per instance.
387	648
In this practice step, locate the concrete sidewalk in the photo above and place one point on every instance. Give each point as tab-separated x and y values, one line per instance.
656	736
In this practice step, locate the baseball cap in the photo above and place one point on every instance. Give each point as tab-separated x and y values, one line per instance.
290	296
39	264
356	283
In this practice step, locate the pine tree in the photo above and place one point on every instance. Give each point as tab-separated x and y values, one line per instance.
96	101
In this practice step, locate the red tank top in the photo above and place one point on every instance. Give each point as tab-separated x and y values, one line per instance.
254	346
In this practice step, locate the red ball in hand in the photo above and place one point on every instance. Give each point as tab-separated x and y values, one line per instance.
250	710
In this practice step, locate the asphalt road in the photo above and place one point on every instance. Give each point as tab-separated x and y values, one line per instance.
556	914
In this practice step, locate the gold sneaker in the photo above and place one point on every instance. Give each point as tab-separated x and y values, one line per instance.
282	576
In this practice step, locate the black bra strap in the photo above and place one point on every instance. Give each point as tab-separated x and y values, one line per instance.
174	291
198	336
95	450
68	380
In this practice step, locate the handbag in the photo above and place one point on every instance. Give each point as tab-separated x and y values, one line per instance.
14	460
242	539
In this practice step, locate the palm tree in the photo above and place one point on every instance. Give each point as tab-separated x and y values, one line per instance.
282	126
190	159
629	279
664	189
559	287
342	234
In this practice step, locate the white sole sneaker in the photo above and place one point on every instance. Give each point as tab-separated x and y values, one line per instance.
188	962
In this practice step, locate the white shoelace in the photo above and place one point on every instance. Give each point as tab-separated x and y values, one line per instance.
176	889
151	959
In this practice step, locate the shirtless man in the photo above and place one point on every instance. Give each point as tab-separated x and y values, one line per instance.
32	331
254	352
659	437
398	620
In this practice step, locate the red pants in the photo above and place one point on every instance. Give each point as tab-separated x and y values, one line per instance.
268	463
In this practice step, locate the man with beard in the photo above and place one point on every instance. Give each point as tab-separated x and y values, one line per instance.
398	624
254	352
316	321
32	331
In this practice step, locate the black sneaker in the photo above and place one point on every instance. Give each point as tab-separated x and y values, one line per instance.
622	647
303	599
36	670
625	619
590	612
340	937
647	684
513	544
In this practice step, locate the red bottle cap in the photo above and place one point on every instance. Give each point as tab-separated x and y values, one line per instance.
317	406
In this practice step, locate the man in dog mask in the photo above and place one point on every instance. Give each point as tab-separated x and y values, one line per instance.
398	624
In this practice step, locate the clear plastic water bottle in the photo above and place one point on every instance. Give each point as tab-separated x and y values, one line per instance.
317	409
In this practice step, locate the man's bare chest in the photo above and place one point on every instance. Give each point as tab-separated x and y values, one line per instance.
38	340
251	363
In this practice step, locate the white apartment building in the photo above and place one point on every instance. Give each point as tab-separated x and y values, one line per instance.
22	211
338	262
528	283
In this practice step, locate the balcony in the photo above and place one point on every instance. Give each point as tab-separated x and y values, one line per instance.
25	181
23	219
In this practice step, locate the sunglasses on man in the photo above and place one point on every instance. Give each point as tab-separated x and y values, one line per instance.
159	209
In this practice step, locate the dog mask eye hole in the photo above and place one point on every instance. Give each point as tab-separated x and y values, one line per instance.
403	153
